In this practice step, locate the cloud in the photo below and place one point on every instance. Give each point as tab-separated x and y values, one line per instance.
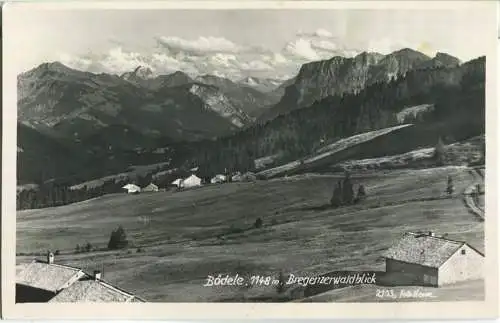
318	33
213	55
200	46
255	65
325	45
301	48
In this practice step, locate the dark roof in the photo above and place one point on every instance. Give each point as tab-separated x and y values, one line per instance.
424	249
71	284
90	290
50	277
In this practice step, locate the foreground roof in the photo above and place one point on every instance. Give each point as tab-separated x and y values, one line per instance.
89	290
50	277
423	249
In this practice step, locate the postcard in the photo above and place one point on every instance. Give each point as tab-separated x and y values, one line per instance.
249	159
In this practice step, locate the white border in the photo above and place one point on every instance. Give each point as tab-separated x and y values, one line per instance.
207	311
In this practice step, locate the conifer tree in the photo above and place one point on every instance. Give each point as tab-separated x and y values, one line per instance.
439	152
361	192
336	199
347	190
450	188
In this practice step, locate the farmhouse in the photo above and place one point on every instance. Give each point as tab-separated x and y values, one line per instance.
132	189
427	260
93	289
150	188
45	281
191	181
218	179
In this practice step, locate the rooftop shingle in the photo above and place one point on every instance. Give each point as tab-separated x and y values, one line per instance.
423	249
90	290
50	277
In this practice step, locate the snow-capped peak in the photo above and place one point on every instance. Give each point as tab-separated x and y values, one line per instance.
142	72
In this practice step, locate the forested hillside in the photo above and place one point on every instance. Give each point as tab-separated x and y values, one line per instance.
459	111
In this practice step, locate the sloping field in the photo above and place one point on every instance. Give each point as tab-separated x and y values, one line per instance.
324	154
459	153
188	235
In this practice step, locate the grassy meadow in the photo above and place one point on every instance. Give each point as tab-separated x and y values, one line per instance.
178	238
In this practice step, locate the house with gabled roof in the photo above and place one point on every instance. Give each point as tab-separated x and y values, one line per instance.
40	281
428	260
46	281
150	188
92	289
132	188
219	178
191	181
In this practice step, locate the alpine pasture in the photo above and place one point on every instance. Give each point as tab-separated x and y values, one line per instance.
176	239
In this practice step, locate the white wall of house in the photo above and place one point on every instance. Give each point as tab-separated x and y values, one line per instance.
464	264
191	181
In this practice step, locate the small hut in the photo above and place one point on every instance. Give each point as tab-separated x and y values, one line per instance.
132	189
150	188
218	179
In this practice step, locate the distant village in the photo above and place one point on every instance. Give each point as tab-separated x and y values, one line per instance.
191	182
50	194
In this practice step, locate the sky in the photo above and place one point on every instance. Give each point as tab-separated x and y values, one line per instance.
234	43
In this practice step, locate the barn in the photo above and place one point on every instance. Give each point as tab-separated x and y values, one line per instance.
425	259
219	178
150	188
191	181
132	189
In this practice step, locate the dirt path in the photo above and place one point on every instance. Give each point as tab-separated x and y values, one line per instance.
468	199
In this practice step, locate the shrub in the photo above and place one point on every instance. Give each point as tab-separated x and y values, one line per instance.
235	229
88	247
258	223
57	253
118	239
361	192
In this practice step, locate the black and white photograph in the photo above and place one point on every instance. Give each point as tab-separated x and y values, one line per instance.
251	154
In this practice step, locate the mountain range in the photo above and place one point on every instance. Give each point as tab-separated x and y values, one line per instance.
341	75
76	104
116	120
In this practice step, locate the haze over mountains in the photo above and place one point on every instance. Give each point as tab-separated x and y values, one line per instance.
96	115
